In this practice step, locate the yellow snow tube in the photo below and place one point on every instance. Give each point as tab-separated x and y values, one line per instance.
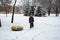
17	28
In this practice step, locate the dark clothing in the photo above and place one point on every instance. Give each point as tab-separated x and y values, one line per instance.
31	25
31	20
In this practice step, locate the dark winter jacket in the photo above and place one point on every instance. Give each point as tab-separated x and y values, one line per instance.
31	20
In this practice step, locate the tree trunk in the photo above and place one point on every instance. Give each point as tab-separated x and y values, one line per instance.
13	12
28	8
49	8
0	22
57	13
49	12
6	13
5	6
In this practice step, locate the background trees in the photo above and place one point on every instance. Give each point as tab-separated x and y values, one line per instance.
57	7
5	4
48	5
38	11
26	10
30	6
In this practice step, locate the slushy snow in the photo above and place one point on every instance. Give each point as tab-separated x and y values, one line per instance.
45	28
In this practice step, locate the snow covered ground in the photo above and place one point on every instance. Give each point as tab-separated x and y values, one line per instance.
45	28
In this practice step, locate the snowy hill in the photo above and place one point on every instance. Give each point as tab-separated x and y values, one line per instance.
45	28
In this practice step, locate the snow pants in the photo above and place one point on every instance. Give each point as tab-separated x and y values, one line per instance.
31	25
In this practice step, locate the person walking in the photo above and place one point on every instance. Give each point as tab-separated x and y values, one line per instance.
31	21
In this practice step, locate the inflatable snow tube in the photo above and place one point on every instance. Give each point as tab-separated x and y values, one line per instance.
16	28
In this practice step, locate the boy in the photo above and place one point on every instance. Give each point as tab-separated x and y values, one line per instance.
31	20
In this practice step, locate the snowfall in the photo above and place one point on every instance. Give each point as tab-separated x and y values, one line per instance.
45	28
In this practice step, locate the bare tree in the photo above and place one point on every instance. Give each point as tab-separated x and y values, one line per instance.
13	12
45	4
5	3
57	5
49	7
